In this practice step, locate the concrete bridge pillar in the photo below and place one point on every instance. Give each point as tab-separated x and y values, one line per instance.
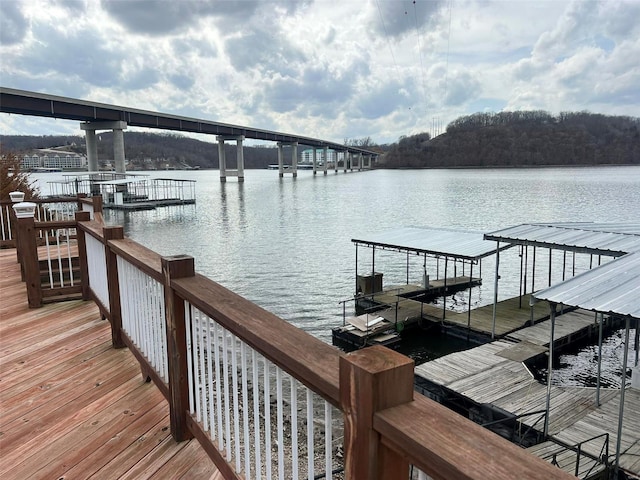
347	161
92	150
280	160
360	161
325	159
118	149
315	163
240	157
335	163
222	158
294	158
117	128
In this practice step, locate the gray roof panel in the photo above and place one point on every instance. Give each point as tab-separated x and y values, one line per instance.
613	239
433	241
611	288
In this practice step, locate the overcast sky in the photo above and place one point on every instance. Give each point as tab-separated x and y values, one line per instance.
327	69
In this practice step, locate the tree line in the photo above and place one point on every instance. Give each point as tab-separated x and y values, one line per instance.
522	138
144	150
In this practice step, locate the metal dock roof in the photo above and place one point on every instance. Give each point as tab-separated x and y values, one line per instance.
611	288
433	241
612	239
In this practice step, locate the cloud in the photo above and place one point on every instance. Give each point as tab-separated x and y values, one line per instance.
13	24
379	68
395	19
158	17
266	51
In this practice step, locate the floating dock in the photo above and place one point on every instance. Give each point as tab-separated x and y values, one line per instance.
493	385
405	314
128	191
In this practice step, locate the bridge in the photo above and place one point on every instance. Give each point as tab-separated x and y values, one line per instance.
100	116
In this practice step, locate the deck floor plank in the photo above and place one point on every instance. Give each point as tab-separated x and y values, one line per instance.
73	407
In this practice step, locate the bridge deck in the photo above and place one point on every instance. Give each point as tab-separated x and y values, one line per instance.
73	407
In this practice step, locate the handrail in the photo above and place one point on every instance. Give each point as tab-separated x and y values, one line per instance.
602	458
194	336
542	414
310	360
446	445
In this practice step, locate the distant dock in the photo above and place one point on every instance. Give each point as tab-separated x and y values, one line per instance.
128	191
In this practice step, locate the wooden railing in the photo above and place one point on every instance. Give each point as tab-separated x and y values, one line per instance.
50	247
265	399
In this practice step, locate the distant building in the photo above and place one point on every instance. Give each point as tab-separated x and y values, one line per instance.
53	159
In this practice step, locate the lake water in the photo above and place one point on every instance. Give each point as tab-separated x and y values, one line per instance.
286	243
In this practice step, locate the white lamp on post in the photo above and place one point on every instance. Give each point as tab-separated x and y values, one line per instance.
16	197
24	209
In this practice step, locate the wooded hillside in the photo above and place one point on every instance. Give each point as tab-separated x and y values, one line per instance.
159	150
528	138
524	138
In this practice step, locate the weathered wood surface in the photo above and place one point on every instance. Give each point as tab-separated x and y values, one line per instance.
511	314
488	374
73	407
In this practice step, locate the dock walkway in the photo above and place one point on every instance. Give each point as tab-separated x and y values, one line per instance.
71	406
494	374
401	313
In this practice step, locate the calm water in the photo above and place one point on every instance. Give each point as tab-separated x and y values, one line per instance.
286	243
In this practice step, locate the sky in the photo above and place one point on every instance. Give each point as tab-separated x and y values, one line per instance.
329	69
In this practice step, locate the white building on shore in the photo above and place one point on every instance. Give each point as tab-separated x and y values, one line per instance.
53	159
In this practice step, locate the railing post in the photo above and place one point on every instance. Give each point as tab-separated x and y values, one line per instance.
179	266
82	253
372	379
113	233
28	247
97	208
79	196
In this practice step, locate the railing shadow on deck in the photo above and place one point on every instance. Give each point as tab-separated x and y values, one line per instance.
264	398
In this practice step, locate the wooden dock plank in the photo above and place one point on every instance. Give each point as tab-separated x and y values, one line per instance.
494	374
70	405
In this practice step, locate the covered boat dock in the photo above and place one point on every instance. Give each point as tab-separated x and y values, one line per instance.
577	424
384	312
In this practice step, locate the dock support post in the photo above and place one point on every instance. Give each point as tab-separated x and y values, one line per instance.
623	382
495	291
552	314
601	315
371	380
444	292
175	267
469	307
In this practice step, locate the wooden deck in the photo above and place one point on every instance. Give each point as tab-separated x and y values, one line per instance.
73	407
494	374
